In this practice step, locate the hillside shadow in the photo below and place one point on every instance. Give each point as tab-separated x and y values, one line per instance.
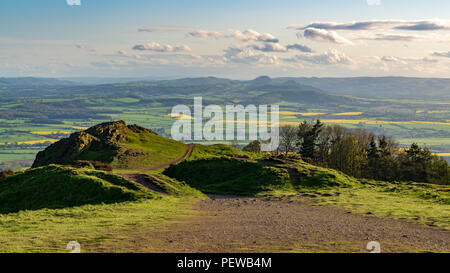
228	176
54	187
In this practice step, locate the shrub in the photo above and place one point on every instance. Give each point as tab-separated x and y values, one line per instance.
93	164
254	146
6	173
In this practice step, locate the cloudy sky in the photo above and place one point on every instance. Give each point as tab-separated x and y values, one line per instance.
226	38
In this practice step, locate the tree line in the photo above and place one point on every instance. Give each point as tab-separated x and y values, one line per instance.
362	154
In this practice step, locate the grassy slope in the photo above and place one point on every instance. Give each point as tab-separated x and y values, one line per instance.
59	187
174	187
101	211
426	204
423	203
106	227
158	150
227	176
140	151
220	150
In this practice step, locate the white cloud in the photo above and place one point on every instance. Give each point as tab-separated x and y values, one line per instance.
441	54
325	36
161	48
411	25
299	47
329	57
206	34
270	47
393	59
392	37
387	63
238	54
251	35
86	48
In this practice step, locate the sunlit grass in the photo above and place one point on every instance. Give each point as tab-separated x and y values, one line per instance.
392	201
93	226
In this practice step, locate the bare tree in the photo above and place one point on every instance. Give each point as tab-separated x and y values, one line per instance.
288	138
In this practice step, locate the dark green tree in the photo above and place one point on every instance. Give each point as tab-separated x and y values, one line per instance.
308	139
373	158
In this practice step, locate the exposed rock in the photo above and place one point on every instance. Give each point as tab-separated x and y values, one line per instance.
105	139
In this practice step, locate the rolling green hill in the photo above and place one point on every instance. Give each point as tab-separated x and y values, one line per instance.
376	87
123	146
55	187
256	177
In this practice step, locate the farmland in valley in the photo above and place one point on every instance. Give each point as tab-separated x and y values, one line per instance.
25	128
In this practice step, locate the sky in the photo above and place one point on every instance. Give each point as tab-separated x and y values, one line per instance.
239	39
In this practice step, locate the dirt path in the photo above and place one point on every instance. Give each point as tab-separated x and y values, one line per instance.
231	224
241	224
145	180
187	154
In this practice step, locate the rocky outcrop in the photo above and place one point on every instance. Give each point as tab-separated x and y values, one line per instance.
103	141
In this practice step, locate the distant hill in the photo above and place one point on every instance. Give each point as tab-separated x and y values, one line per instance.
301	96
34	82
123	146
387	87
369	87
172	92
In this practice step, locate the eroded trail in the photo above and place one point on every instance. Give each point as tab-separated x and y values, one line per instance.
144	180
231	224
187	153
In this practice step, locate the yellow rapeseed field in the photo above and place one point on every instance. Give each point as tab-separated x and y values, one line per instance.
349	114
373	122
32	142
289	113
347	121
42	141
178	116
44	133
79	128
438	112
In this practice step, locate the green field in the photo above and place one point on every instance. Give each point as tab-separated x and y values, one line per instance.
98	228
426	122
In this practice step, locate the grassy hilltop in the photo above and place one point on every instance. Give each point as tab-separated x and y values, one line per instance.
122	146
43	207
59	187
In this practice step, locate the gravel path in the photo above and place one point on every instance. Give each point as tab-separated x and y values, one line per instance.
233	224
242	224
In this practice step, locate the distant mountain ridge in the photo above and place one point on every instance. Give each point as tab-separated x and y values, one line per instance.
32	81
368	87
377	87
